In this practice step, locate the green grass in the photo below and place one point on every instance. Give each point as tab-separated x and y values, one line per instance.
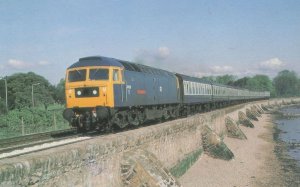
34	120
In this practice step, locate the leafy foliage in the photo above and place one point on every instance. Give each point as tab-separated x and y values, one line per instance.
256	83
226	79
34	120
242	83
223	79
287	83
59	93
19	87
2	106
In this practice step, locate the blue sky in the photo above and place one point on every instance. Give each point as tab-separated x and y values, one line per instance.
211	37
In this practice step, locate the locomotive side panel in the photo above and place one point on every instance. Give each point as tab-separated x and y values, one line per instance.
143	89
132	92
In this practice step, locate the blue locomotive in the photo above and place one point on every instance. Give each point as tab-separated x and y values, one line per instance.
103	92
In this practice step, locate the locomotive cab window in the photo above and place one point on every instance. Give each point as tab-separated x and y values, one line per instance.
98	74
116	75
77	75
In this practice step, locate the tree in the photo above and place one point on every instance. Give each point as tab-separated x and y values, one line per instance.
20	88
208	78
225	79
261	83
59	95
2	106
256	83
298	87
241	83
2	97
286	83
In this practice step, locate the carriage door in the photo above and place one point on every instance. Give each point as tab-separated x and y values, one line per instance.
156	90
123	87
118	86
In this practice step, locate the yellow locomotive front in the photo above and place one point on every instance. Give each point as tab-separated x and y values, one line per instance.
88	87
89	92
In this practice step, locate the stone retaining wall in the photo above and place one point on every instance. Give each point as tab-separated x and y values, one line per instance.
97	162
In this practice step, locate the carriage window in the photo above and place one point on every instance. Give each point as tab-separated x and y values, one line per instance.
187	88
98	74
115	75
194	88
77	75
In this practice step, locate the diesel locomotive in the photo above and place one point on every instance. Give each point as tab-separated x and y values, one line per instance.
103	92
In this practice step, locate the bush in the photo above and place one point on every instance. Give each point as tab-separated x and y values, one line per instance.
34	120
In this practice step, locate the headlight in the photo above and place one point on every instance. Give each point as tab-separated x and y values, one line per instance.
78	92
95	92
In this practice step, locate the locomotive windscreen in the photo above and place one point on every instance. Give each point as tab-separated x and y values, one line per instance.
77	75
98	74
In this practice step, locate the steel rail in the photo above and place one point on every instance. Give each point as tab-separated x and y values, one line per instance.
19	142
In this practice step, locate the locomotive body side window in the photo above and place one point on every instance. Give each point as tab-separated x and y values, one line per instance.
115	75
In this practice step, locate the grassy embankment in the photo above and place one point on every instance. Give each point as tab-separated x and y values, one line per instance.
34	120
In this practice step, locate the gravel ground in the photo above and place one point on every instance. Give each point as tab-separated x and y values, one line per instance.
255	163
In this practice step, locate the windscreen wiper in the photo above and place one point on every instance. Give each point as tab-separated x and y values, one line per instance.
92	77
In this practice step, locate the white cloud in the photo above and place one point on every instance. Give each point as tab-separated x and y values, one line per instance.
43	63
221	69
18	64
163	52
272	64
159	57
158	54
201	74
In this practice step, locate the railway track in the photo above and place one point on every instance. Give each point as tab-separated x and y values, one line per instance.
16	146
21	142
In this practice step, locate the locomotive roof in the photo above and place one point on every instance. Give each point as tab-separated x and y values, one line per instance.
105	61
96	61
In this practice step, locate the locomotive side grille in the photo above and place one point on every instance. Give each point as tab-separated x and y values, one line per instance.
87	92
